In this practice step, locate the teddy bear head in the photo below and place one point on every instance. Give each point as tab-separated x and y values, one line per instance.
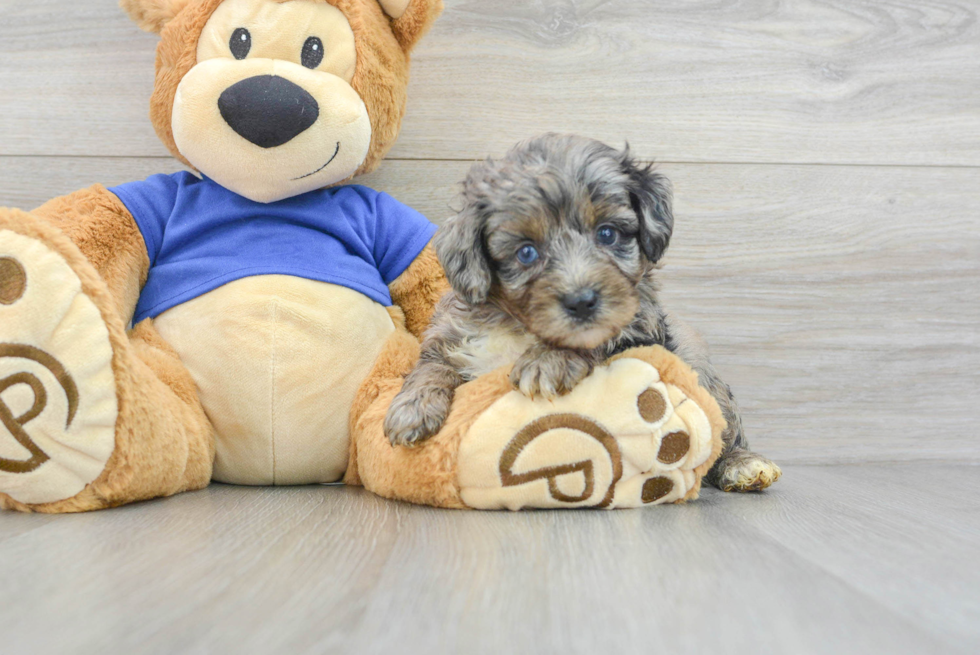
275	98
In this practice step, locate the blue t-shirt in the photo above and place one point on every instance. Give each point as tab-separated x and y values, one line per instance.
200	236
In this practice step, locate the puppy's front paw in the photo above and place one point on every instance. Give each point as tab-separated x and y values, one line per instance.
549	372
744	471
416	415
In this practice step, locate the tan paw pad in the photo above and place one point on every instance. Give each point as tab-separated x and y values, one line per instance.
58	403
622	438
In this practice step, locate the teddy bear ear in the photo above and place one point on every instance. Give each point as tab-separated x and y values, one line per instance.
411	19
394	8
152	15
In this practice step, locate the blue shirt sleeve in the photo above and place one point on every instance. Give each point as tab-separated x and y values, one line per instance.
401	233
151	202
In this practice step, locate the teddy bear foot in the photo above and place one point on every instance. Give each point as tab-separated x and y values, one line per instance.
58	404
636	432
90	417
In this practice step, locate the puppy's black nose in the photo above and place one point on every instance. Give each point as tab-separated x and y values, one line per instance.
268	110
581	304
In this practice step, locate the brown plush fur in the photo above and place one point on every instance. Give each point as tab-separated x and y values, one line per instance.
397	358
426	475
104	231
415	22
429	474
176	55
418	290
164	442
381	76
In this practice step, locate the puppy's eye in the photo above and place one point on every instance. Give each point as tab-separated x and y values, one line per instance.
312	52
527	255
241	43
607	235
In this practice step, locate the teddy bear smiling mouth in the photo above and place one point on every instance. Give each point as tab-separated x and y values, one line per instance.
335	153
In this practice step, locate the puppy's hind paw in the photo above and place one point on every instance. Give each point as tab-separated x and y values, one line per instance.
414	416
744	471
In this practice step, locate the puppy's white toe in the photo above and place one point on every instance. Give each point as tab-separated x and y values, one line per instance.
747	471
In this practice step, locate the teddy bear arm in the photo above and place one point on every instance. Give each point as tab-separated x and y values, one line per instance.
418	290
99	224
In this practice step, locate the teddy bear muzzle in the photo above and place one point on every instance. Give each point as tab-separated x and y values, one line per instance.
268	129
268	110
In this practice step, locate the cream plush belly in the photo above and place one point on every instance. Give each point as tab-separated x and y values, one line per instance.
277	361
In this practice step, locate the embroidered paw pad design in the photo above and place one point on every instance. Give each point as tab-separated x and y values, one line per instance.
623	438
58	402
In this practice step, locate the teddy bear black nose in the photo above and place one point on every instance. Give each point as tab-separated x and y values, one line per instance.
268	110
581	304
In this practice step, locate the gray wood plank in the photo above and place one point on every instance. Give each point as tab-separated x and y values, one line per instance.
28	182
833	81
882	528
18	524
809	567
841	302
76	79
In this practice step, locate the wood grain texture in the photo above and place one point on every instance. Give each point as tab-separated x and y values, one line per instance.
870	558
831	81
842	303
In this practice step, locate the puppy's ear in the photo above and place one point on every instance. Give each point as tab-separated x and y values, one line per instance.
152	15
459	246
650	196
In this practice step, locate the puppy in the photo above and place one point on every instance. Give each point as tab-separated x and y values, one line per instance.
552	265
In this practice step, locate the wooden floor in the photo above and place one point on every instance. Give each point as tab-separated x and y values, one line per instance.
825	156
874	558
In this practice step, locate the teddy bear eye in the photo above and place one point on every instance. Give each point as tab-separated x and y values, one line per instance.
312	52
241	43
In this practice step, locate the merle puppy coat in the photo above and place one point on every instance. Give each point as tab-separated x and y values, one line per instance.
552	262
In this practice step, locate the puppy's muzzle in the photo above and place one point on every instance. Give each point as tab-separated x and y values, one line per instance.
268	110
582	304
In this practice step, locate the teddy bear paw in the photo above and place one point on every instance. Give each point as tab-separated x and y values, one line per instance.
624	437
58	404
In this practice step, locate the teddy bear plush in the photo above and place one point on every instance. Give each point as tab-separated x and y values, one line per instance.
250	323
259	292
